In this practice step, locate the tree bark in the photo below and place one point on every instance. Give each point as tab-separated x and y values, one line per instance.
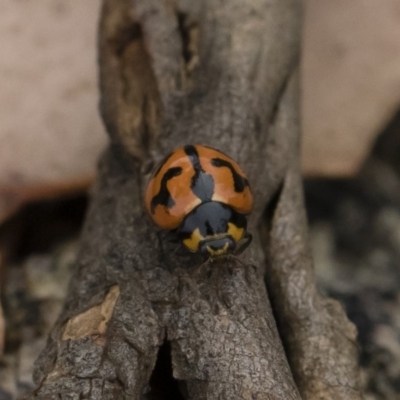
221	73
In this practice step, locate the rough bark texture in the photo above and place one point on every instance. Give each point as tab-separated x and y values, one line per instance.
220	73
319	340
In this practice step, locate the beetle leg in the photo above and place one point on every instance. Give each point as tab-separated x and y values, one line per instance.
171	237
245	242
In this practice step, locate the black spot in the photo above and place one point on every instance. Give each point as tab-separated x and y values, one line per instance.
239	181
209	229
163	197
202	184
239	220
184	234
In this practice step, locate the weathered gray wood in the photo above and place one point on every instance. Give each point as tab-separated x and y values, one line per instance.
220	73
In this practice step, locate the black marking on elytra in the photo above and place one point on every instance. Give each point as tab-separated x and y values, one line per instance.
216	150
161	164
239	181
202	184
163	197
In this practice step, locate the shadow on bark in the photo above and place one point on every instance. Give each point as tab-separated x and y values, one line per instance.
222	73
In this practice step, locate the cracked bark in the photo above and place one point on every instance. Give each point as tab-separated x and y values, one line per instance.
222	73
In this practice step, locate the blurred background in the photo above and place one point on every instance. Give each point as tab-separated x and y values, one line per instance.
51	136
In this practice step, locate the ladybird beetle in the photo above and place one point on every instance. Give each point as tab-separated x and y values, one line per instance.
203	195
